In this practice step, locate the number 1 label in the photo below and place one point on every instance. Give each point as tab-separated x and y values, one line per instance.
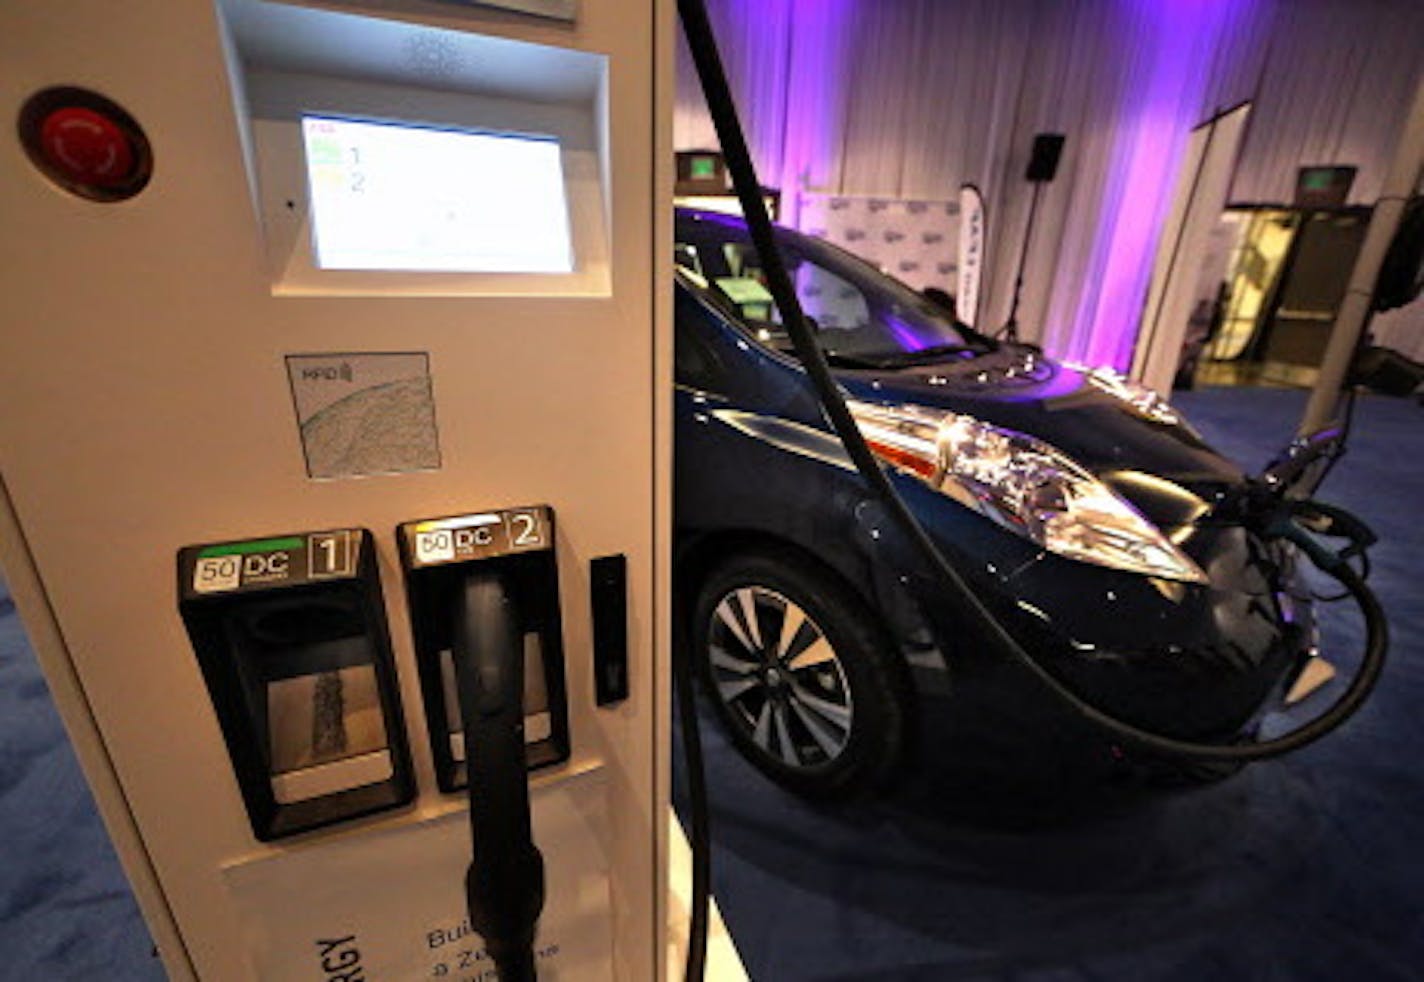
329	554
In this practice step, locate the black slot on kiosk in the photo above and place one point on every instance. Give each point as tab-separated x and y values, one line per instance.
517	546
290	632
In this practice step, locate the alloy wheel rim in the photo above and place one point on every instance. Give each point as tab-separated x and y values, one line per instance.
779	677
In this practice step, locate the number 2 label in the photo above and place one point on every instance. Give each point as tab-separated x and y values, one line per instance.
526	533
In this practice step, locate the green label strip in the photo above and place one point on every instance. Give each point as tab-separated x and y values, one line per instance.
256	545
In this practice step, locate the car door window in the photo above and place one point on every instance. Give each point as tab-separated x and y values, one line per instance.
833	301
863	313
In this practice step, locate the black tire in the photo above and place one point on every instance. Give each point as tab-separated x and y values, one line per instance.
824	712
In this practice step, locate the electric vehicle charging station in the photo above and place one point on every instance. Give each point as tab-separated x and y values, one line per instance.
276	414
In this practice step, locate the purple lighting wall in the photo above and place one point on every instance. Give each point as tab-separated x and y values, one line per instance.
1161	106
815	95
799	66
793	97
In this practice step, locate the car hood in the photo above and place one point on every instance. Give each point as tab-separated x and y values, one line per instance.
1156	461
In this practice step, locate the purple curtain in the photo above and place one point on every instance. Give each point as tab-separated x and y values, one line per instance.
908	98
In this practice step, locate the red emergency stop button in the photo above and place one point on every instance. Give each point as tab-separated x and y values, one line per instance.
85	143
86	147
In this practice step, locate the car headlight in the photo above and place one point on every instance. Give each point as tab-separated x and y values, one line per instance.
1023	484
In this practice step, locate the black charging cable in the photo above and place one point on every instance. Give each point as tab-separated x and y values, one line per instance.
702	43
504	886
699	835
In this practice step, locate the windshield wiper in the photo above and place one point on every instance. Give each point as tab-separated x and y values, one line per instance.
839	359
893	359
853	361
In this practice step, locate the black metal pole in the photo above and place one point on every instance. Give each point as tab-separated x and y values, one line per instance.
1011	326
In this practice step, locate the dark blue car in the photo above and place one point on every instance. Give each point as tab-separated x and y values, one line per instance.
1094	521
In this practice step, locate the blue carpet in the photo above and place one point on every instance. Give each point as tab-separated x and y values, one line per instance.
1307	868
66	911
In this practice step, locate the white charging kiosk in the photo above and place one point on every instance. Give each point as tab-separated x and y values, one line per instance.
306	304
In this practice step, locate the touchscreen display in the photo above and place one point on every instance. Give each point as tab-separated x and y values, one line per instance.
389	196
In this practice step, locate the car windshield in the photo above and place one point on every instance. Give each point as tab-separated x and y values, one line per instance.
862	314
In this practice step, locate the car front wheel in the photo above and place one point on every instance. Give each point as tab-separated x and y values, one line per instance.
801	674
